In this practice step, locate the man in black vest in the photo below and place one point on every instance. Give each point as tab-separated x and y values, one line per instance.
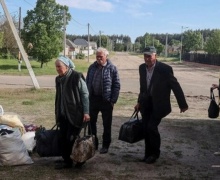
156	82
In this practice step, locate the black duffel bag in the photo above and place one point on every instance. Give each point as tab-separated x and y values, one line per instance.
213	110
48	142
132	131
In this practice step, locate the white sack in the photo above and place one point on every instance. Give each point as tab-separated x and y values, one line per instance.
13	150
29	140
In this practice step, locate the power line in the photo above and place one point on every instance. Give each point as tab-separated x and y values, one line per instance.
28	3
82	26
93	30
79	23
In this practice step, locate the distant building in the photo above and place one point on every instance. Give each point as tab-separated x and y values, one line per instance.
79	46
83	44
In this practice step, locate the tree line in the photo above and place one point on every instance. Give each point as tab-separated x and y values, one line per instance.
43	27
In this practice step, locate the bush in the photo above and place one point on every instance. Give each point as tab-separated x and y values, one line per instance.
80	56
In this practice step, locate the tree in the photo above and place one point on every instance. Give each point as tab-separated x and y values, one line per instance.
103	41
7	40
43	29
192	41
212	45
174	42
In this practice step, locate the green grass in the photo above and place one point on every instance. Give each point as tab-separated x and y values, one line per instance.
168	59
160	58
38	105
10	67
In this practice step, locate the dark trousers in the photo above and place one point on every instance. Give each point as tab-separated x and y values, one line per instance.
68	136
151	133
97	104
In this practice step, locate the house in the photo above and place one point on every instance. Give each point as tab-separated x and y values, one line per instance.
93	44
83	44
72	49
78	46
173	49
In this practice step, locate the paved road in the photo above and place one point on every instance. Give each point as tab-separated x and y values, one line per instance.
127	66
194	80
7	81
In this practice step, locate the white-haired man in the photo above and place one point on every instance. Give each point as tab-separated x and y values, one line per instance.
104	85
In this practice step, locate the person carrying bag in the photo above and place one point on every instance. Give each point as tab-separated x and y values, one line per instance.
71	107
213	110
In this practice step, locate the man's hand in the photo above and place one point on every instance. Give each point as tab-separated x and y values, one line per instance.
137	107
214	86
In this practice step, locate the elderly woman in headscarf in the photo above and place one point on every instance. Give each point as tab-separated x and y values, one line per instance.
71	107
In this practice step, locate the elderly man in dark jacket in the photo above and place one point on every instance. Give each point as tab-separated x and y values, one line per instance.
104	85
156	82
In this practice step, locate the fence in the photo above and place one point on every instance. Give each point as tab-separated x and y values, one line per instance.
202	58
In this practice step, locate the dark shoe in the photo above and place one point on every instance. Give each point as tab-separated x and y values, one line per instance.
151	160
79	165
63	166
143	160
59	161
96	143
103	150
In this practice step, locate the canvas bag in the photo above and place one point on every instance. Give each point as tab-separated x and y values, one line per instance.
83	147
213	110
132	131
48	142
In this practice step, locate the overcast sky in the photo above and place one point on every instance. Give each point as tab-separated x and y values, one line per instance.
133	17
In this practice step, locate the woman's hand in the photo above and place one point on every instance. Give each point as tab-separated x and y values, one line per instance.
86	118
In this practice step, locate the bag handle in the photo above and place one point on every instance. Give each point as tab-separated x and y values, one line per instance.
134	115
90	130
219	93
55	126
212	96
85	127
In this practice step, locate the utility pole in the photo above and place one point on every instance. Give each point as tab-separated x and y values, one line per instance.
145	43
88	42
64	32
166	45
202	41
19	33
100	38
20	46
181	42
153	41
19	25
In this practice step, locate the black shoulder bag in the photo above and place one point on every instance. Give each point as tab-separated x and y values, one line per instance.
213	110
132	131
48	142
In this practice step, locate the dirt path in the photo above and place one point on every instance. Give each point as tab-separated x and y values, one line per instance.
195	80
188	139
